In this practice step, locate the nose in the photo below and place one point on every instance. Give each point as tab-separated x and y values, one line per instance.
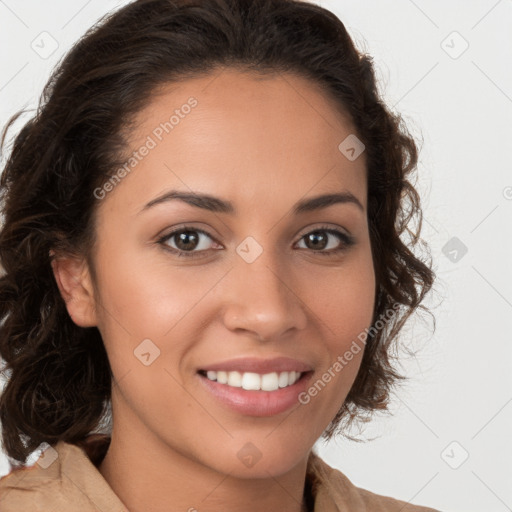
263	299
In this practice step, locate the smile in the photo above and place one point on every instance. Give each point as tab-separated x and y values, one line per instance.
254	381
253	394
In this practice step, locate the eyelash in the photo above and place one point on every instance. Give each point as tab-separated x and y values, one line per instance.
347	241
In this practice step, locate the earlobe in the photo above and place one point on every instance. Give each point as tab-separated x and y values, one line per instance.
74	282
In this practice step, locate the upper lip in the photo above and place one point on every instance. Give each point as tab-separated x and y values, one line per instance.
262	366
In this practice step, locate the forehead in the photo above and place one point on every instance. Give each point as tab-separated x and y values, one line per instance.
247	136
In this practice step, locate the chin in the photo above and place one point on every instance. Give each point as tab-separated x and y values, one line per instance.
263	459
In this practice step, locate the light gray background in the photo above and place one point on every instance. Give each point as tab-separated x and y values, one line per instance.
458	402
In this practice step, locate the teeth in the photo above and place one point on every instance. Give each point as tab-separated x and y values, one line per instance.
283	380
255	381
235	379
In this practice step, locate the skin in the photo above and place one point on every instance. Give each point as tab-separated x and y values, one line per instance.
263	144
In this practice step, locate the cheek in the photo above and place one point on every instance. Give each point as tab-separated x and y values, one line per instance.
344	311
343	303
343	300
149	299
145	296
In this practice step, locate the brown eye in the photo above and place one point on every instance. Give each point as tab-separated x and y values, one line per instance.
187	241
316	240
192	242
319	239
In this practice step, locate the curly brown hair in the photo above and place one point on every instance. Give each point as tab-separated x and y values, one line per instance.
58	377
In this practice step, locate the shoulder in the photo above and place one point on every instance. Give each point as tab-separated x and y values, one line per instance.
63	479
334	491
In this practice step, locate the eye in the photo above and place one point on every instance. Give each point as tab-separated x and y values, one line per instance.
318	241
187	239
191	242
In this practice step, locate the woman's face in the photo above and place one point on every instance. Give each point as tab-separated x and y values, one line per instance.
259	288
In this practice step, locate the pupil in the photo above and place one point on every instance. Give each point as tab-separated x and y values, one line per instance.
184	237
314	238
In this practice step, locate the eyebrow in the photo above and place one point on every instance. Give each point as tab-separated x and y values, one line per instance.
218	205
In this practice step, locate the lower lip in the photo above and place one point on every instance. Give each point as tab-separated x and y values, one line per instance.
257	403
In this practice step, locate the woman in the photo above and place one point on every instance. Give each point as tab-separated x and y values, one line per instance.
251	131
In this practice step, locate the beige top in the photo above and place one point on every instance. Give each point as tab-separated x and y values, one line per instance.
69	481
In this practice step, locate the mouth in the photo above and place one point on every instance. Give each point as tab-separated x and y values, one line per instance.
251	381
253	387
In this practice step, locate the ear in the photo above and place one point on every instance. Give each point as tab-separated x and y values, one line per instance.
75	285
